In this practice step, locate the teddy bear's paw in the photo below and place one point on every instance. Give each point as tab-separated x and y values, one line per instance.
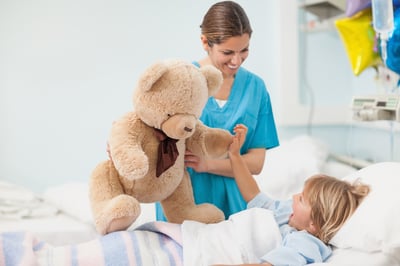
217	143
119	224
134	168
118	214
211	213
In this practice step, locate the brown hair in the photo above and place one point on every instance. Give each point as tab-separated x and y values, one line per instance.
332	202
224	20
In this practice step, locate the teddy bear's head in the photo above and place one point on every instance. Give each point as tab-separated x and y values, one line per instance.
170	96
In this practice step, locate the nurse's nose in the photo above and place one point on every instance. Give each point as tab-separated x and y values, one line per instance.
236	59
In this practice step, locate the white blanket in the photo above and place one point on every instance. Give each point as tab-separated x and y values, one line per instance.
243	238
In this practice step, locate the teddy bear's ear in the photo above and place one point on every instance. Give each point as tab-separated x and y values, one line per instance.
151	75
214	78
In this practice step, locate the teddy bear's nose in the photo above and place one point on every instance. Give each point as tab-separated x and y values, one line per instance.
188	129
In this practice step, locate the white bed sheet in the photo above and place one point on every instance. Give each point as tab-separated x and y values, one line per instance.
24	210
60	229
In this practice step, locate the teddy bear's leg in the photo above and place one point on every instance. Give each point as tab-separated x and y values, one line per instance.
112	209
180	206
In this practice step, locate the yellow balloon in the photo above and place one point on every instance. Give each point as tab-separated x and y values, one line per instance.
358	36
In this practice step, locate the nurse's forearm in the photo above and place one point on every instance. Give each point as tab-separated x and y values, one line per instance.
220	167
254	160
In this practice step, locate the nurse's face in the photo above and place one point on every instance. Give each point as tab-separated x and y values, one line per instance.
229	55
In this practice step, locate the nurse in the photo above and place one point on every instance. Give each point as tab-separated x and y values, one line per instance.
242	99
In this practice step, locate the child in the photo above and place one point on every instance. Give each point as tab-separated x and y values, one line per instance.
309	220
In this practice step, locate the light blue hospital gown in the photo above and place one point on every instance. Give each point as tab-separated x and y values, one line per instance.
298	247
249	104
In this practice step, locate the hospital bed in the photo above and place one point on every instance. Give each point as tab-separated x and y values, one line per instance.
61	215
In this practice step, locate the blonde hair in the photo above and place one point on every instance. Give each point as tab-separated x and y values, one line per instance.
332	202
224	20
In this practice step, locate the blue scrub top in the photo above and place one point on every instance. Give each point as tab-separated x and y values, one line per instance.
249	104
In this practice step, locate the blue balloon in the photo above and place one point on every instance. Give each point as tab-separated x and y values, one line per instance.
393	45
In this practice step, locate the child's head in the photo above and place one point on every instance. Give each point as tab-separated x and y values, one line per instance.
332	202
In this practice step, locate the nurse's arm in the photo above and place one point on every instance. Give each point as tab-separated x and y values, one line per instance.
254	160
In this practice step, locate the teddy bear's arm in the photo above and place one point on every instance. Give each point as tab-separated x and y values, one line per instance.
209	142
126	148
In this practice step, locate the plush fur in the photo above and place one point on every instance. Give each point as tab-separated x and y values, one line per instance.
170	96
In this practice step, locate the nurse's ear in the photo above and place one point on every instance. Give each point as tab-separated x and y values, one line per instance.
204	43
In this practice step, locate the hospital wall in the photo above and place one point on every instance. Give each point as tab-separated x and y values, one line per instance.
68	69
325	84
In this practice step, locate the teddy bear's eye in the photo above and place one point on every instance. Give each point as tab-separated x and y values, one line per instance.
169	115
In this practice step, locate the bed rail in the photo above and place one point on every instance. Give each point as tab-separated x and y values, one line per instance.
351	161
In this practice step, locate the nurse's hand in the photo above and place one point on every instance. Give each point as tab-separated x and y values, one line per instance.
198	164
108	151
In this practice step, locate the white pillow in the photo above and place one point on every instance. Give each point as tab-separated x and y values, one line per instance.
287	166
337	169
71	198
374	226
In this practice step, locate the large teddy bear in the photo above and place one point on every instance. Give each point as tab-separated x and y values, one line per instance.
147	148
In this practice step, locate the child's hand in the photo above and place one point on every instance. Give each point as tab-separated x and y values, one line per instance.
240	131
234	148
238	139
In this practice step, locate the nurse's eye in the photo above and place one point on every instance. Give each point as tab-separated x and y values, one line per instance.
227	52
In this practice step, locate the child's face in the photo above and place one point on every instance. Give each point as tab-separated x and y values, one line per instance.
301	216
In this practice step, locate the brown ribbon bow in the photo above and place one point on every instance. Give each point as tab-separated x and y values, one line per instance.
167	152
